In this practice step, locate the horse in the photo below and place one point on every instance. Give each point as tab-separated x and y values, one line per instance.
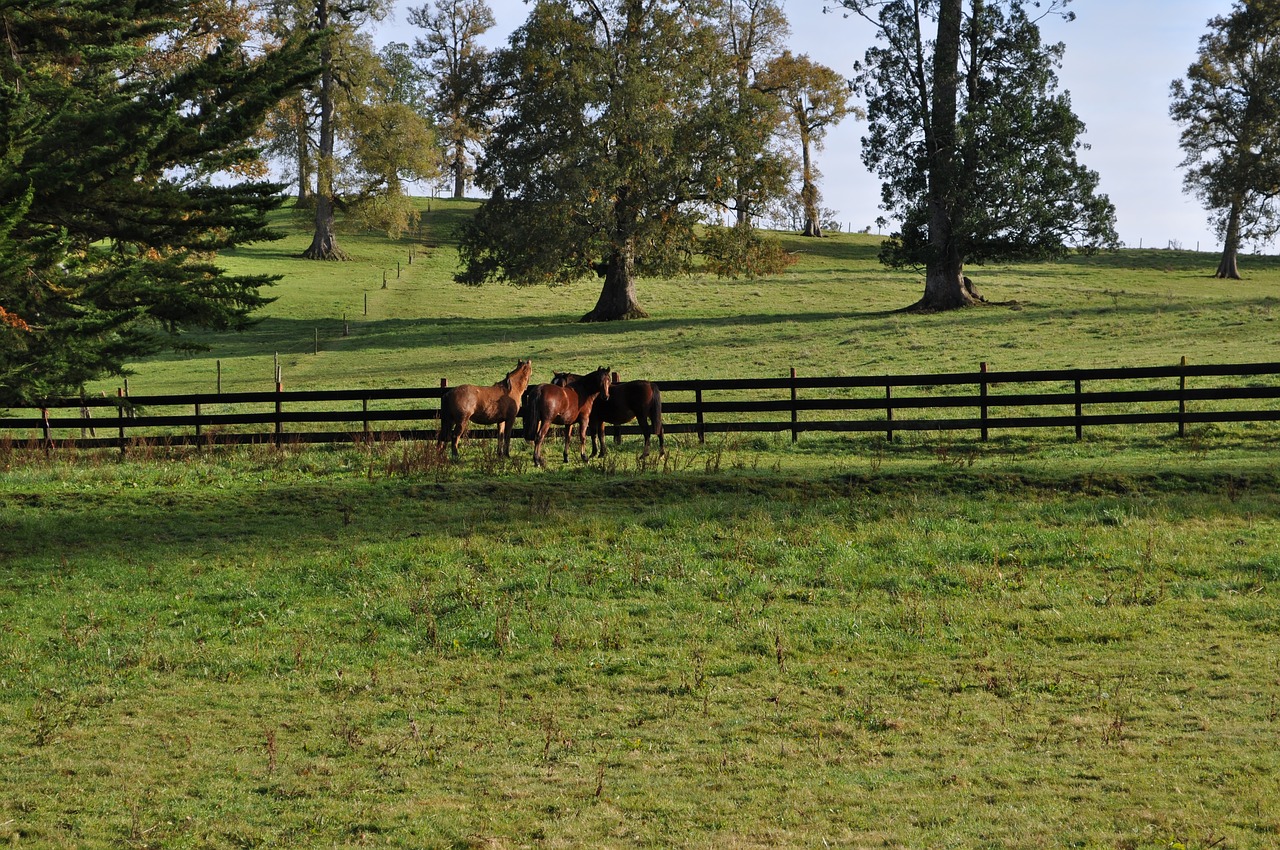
549	405
639	400
496	405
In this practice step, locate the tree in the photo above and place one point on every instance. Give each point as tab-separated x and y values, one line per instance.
753	33
977	153
110	213
1229	110
357	136
612	145
387	137
814	98
455	64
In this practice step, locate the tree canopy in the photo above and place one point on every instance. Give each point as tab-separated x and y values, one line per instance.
976	149
1229	110
110	215
614	142
454	63
814	98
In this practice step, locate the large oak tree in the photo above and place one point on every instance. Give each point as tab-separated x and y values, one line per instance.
613	144
976	149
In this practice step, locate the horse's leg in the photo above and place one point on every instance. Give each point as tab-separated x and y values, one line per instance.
596	429
539	435
643	422
462	432
568	429
446	426
655	413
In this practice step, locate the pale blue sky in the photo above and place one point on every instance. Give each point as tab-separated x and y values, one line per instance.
1121	57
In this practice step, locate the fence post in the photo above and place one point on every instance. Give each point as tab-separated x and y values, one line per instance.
1079	411
795	412
1182	398
87	415
48	437
279	407
364	409
888	411
197	420
120	414
982	392
697	403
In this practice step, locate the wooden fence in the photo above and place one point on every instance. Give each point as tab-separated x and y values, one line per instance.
981	402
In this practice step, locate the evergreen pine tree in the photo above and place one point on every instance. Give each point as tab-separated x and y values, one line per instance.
110	219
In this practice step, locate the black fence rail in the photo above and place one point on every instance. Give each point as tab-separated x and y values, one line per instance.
981	402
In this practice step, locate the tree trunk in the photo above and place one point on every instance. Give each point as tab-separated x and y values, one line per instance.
945	286
808	191
460	169
1228	266
304	154
618	295
324	244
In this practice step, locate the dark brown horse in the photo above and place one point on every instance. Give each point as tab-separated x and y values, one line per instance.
639	400
549	405
496	405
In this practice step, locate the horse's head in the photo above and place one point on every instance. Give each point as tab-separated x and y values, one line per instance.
606	379
518	378
563	379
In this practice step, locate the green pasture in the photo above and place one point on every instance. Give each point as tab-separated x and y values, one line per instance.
1031	642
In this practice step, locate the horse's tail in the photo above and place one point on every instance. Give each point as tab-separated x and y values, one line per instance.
655	410
447	417
529	408
655	416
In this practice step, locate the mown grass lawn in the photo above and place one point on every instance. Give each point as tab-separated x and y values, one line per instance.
937	642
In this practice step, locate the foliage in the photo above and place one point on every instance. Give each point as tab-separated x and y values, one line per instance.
611	145
356	136
109	215
736	252
815	98
977	153
1229	110
753	33
455	69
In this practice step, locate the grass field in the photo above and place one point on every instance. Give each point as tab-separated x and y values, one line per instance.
832	313
1027	643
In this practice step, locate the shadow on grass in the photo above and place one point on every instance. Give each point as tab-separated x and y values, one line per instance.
42	530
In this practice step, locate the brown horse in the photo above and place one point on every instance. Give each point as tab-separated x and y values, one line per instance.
639	400
549	405
496	405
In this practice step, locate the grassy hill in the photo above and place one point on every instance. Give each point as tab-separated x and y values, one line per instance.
833	312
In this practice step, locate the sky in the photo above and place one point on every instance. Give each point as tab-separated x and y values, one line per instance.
1121	56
